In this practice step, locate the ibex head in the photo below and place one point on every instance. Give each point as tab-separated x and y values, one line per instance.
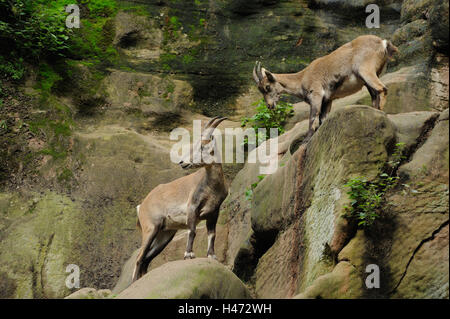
267	85
204	152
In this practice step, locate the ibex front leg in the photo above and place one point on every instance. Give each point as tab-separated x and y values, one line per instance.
192	223
315	103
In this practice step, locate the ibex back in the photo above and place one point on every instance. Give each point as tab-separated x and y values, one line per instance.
341	73
181	204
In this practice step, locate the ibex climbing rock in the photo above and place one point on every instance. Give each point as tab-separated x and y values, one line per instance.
183	203
338	74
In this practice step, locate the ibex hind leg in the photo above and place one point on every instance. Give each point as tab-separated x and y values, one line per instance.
146	242
161	241
325	109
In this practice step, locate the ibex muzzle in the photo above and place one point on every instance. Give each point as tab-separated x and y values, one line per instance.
267	85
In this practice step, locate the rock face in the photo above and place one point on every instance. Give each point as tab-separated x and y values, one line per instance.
147	93
55	230
314	218
301	244
198	278
90	293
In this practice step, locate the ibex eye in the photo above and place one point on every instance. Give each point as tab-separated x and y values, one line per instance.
268	88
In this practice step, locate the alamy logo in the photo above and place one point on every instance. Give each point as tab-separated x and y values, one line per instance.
73	280
373	279
73	19
373	19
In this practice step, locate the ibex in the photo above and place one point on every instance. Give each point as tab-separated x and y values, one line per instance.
183	203
336	75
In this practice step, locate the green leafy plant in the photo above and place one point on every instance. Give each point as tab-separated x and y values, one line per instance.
398	156
13	69
268	118
47	78
367	196
35	28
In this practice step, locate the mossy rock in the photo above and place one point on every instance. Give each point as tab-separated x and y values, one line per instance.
409	240
175	251
237	209
38	244
90	293
438	21
137	36
359	148
343	282
415	9
148	93
198	278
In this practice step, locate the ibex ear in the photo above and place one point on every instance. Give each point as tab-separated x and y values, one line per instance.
270	77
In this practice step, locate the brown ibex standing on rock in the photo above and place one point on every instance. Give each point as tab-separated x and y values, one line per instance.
338	74
182	203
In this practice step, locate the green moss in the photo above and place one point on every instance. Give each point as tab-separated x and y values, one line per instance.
47	78
187	59
53	153
94	41
102	7
65	176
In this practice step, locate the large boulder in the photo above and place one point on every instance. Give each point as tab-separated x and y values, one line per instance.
90	293
269	224
198	278
409	243
137	36
147	93
301	243
175	251
411	126
38	235
236	209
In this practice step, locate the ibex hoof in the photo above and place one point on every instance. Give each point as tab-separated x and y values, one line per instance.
189	255
212	257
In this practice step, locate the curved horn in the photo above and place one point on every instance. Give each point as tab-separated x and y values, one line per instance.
210	122
213	126
258	71
255	75
216	123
